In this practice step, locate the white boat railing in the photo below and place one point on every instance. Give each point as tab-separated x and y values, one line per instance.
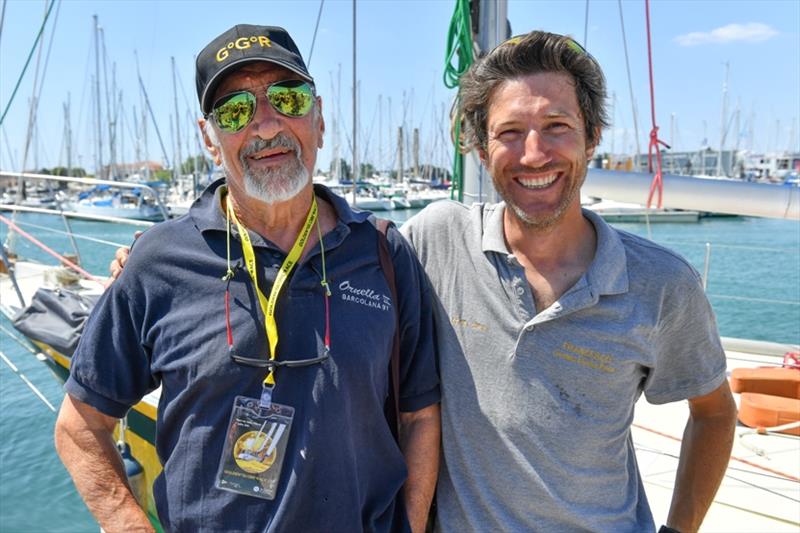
73	214
86	181
698	194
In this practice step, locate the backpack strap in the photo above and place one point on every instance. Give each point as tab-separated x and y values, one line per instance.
392	407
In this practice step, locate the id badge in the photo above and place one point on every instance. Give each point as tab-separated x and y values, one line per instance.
255	446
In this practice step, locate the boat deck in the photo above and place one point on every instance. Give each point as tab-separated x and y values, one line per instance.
761	488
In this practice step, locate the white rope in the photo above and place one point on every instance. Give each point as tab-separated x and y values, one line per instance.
27	382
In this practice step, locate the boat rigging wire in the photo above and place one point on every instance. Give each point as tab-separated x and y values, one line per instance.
658	183
630	88
27	382
314	38
23	343
76	235
3	16
784	475
150	110
27	61
771	477
44	247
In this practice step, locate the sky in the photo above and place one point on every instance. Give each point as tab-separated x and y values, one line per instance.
400	58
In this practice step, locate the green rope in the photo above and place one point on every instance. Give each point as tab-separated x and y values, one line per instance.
459	45
459	49
30	55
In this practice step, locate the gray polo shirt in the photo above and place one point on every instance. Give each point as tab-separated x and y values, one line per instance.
537	406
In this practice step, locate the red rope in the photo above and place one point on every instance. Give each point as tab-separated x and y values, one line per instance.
228	328
61	258
654	140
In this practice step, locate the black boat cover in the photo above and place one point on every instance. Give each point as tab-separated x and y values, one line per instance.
56	318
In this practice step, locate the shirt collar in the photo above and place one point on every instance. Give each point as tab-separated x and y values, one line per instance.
494	239
608	271
208	215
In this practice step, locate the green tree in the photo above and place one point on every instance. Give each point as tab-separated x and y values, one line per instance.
193	164
163	175
366	170
344	169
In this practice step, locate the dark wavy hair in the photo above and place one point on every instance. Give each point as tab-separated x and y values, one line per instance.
532	53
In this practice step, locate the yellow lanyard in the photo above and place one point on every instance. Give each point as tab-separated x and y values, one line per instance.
268	305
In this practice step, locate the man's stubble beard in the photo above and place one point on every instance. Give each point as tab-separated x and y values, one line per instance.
547	220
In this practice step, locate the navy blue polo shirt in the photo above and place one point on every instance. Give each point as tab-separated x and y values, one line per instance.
163	323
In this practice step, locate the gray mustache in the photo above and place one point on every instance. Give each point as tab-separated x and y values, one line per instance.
281	140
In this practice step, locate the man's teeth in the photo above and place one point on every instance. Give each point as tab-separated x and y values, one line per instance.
537	183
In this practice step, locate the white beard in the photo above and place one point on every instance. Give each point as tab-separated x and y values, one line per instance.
276	184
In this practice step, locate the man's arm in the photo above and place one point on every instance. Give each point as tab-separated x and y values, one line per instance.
420	441
84	441
705	451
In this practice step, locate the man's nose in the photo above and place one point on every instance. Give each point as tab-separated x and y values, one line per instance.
536	150
267	122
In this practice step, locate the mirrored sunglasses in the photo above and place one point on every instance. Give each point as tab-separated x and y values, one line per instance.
291	98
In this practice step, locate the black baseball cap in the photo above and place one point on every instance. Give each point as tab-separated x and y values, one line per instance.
242	44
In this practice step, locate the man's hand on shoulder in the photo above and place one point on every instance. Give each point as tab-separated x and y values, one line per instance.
120	258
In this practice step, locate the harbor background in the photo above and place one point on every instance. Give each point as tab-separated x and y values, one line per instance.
754	276
754	287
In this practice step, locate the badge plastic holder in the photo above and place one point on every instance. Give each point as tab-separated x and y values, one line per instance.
255	447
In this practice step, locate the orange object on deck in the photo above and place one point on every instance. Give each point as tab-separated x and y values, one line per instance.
775	381
768	411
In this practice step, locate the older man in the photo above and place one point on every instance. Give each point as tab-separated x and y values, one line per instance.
552	323
266	319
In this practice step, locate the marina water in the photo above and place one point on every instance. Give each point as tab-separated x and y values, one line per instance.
753	285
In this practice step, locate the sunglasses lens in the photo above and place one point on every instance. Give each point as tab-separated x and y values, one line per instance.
234	112
292	98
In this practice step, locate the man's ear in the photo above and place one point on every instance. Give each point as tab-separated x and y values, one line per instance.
482	155
212	148
590	148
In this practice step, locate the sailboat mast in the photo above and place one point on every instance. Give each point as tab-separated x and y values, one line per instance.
722	129
415	147
355	109
99	157
400	152
178	159
68	135
380	132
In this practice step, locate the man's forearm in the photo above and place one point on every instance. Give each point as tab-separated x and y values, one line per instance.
705	451
420	441
92	460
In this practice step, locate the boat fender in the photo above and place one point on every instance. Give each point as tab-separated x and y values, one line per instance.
777	381
135	474
764	411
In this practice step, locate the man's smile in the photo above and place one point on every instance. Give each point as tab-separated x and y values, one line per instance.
538	182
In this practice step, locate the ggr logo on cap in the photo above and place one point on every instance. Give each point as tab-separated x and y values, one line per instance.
242	43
